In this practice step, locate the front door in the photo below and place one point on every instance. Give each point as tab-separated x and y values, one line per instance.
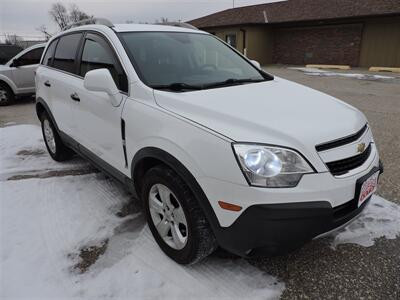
97	121
24	72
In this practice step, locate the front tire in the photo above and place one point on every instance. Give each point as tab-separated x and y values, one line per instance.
7	96
55	146
176	220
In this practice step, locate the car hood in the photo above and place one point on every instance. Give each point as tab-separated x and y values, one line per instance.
276	112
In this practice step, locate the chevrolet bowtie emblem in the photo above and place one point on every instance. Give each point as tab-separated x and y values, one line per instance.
361	148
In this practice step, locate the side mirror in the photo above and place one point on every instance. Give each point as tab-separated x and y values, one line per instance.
256	64
100	80
15	63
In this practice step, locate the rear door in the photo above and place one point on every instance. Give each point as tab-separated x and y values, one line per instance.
63	80
24	73
97	121
44	73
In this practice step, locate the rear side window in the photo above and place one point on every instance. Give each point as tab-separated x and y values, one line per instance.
97	54
64	58
49	53
32	57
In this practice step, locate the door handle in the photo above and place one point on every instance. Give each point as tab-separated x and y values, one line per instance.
75	97
47	83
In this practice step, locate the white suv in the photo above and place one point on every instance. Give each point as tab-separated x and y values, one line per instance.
220	152
17	77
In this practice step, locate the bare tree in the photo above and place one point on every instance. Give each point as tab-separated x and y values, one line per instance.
12	39
63	16
162	20
43	30
76	15
59	14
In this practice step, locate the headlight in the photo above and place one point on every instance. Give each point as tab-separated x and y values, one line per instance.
269	166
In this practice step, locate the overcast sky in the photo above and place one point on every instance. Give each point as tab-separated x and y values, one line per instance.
22	17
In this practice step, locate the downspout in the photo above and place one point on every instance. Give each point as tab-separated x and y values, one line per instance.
244	42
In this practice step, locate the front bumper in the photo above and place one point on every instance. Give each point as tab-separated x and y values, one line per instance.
272	229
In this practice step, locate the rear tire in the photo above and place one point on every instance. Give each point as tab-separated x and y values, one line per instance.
180	228
55	146
7	96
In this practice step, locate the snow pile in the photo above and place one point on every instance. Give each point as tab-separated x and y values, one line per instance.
318	72
46	222
381	218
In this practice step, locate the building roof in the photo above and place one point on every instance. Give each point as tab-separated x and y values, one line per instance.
298	10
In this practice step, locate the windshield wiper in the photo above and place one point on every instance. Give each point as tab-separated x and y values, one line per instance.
177	86
231	81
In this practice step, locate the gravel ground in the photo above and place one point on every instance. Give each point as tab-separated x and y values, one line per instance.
317	271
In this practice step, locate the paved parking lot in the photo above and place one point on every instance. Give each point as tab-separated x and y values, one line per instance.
318	271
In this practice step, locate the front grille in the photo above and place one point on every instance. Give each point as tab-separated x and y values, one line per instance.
343	166
343	141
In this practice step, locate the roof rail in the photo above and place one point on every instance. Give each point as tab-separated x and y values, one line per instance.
98	21
179	24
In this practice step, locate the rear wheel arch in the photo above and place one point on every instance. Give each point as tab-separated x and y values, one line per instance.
42	107
149	157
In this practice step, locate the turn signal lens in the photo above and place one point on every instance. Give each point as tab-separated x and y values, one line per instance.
229	206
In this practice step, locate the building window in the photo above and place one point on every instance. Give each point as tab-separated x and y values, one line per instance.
231	39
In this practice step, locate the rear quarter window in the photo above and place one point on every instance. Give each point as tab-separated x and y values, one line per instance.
65	55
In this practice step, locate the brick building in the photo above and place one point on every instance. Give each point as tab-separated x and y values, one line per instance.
351	32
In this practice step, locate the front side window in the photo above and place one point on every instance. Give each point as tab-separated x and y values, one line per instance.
31	58
200	60
49	53
97	54
64	58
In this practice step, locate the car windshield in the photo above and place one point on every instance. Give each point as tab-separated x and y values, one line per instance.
187	61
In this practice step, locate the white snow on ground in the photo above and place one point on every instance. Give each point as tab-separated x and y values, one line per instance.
318	72
45	223
23	152
381	218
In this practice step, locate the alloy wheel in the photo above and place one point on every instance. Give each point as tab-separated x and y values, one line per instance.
3	95
168	216
49	136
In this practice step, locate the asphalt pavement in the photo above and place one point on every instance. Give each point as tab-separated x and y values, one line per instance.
317	271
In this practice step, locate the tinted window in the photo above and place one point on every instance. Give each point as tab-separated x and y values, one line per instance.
49	53
64	58
31	58
164	58
97	54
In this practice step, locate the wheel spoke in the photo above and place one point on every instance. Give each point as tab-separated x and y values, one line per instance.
179	216
177	237
156	205
165	195
163	228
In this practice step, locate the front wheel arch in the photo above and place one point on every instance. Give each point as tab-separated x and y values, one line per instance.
149	157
